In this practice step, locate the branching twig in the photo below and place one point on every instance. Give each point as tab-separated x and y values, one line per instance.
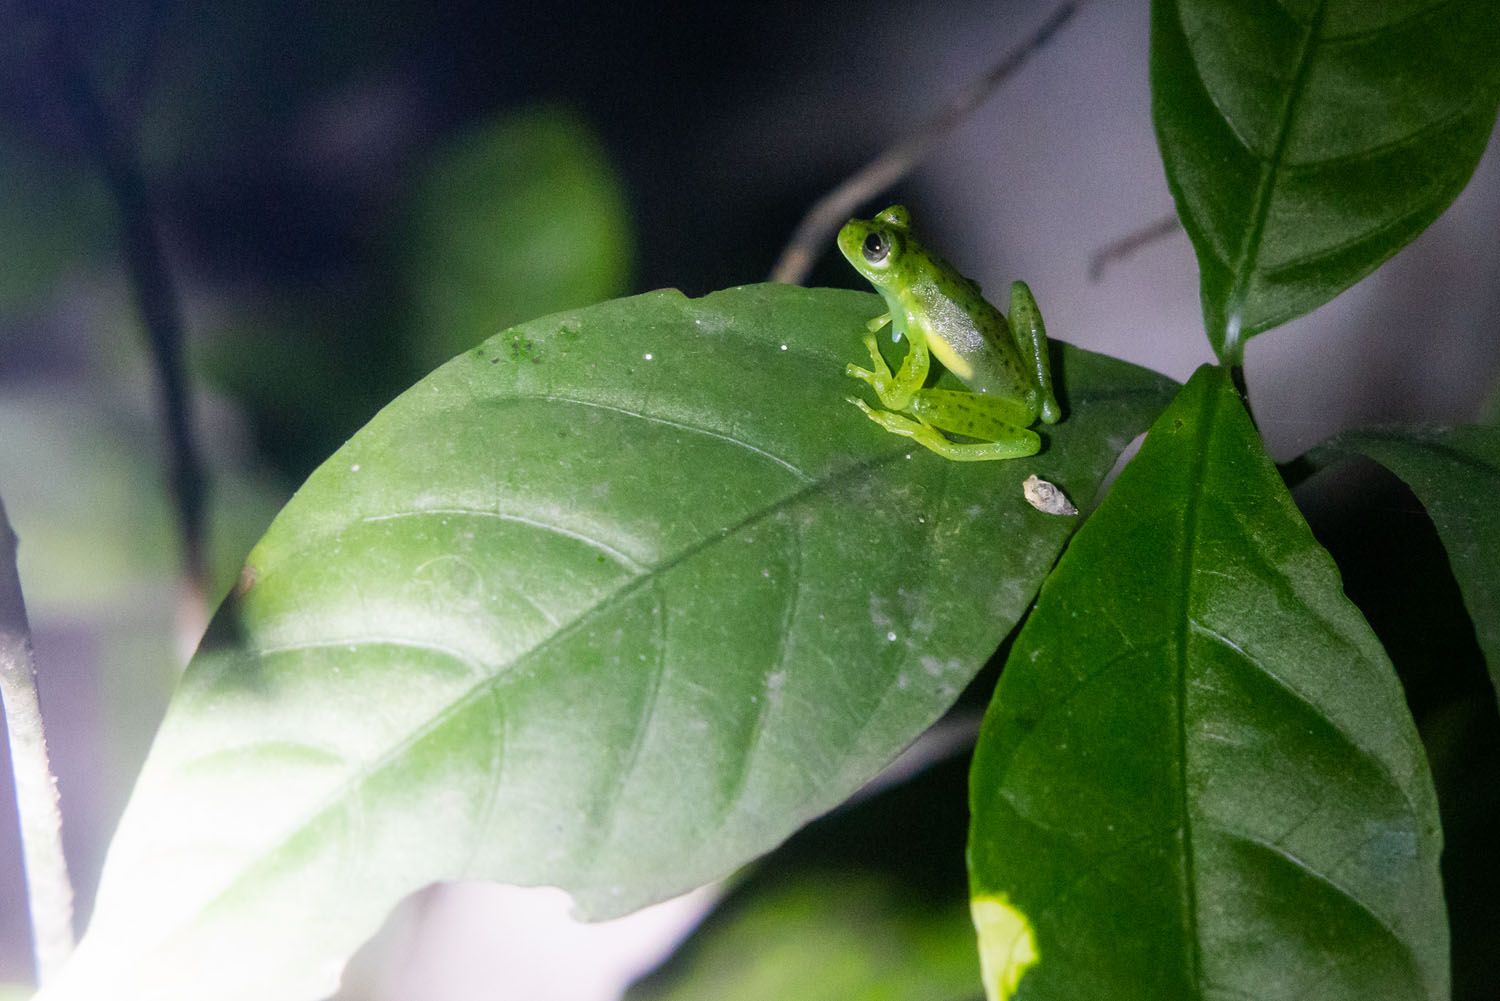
1130	243
154	293
830	211
48	888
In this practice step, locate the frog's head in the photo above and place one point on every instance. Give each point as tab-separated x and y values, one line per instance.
875	246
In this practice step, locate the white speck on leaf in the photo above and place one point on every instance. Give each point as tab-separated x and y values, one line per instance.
936	667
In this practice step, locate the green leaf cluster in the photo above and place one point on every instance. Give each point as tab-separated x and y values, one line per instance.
621	598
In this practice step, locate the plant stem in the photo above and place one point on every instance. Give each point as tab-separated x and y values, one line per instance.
829	212
48	889
155	295
1237	378
1128	244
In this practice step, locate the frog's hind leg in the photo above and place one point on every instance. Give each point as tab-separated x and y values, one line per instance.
998	423
926	435
933	408
1031	338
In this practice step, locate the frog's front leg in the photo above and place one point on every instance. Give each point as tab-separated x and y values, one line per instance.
1031	338
894	389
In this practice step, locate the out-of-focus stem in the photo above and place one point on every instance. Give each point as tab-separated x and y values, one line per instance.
894	163
1128	244
48	889
155	294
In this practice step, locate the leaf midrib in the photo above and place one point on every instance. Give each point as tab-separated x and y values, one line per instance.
1185	589
1232	338
510	672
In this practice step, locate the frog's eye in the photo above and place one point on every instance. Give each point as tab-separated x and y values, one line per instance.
876	247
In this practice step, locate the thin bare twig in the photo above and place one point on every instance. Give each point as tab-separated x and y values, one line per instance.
48	889
155	295
894	163
1130	243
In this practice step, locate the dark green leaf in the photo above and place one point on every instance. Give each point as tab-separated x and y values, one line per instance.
1199	778
614	602
1306	142
1455	473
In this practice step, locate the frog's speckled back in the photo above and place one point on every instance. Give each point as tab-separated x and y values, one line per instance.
963	328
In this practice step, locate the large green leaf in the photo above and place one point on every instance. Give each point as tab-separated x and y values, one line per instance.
1305	142
1199	778
1455	473
614	602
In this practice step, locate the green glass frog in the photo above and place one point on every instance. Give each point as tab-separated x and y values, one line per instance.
941	312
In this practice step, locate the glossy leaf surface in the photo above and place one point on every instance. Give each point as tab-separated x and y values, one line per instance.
614	602
1306	142
1455	473
1207	785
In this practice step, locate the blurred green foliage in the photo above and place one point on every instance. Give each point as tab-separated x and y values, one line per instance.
517	218
833	936
522	216
52	219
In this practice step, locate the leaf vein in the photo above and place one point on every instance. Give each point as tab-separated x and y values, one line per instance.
1303	866
1245	657
620	557
510	671
738	782
1261	206
608	811
678	425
